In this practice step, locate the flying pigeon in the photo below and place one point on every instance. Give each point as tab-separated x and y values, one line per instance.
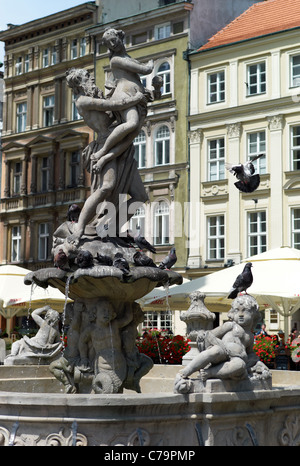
142	243
248	180
73	213
243	281
61	259
84	259
121	263
169	260
142	260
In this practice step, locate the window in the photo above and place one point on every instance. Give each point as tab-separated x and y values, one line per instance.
26	64
161	223
45	174
162	31
216	237
16	244
257	233
216	87
17	174
74	168
296	228
48	110
140	149
138	220
256	78
216	159
295	70
19	63
75	114
160	320
295	149
53	55
45	58
162	146
164	72
74	53
139	38
82	46
21	117
43	241
274	319
257	146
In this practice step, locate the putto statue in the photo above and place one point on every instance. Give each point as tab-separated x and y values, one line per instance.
226	352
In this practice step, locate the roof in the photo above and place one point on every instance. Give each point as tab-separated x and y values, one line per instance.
263	18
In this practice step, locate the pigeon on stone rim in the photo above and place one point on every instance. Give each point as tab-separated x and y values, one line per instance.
169	260
242	282
248	180
142	260
121	263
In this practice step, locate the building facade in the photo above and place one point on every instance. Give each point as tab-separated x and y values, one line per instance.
245	102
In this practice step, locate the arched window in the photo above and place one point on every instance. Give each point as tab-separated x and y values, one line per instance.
161	223
162	146
164	72
138	220
140	149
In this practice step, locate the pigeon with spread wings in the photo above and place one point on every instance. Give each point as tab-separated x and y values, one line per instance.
248	179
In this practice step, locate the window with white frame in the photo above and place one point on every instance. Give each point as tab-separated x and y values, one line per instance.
43	241
75	113
158	320
295	148
140	149
19	66
216	159
257	233
16	244
216	87
17	177
21	117
82	46
165	73
45	58
162	146
296	228
45	174
137	221
256	78
48	110
295	70
54	55
274	319
74	50
216	237
74	168
256	146
162	31
26	64
161	223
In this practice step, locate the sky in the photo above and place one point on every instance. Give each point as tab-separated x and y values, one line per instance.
23	11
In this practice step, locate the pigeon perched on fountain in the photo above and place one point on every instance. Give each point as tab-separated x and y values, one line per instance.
248	180
121	263
142	260
61	260
243	281
169	260
84	259
103	259
142	243
73	213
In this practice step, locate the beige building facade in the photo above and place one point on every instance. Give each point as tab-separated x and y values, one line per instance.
245	102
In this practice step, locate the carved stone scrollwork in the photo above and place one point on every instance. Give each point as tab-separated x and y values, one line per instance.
195	136
290	434
234	130
276	122
60	440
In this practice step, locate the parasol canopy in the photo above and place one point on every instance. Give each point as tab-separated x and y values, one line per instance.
15	296
276	285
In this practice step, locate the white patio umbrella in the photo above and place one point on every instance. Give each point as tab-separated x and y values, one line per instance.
276	284
15	296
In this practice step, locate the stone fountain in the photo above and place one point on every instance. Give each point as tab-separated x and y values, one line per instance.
92	391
